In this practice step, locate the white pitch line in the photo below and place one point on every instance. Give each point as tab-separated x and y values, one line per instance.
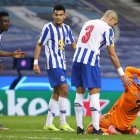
37	130
34	130
40	138
27	137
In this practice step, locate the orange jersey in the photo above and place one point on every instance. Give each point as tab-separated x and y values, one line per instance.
125	110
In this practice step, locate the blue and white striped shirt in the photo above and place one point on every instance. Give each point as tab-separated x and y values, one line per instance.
55	39
94	34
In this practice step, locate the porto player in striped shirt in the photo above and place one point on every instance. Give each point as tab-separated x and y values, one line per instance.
86	65
55	36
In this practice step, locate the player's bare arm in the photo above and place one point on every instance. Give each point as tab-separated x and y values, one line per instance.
15	54
73	45
36	67
114	58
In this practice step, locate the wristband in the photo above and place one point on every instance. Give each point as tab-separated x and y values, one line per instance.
35	61
120	71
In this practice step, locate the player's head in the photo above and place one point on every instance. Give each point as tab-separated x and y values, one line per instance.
4	21
59	14
110	17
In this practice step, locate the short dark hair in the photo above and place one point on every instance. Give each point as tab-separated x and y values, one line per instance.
59	7
4	13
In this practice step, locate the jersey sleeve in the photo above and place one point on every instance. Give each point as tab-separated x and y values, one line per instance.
70	39
109	37
43	35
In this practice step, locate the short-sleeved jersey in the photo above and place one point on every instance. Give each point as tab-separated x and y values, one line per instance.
125	110
94	34
55	39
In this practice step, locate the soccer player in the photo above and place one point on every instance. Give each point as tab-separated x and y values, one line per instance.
86	67
55	36
122	115
4	25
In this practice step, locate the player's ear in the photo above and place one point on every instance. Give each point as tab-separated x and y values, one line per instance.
65	15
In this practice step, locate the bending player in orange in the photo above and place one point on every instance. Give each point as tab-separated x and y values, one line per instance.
120	118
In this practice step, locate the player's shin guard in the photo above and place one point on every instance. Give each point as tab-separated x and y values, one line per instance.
95	110
62	109
51	112
78	106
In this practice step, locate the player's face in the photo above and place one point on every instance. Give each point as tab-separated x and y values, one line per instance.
4	23
59	17
113	22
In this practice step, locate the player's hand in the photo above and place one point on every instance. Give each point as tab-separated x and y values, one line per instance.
36	69
1	67
126	81
18	54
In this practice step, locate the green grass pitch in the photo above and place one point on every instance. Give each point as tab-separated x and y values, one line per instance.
30	128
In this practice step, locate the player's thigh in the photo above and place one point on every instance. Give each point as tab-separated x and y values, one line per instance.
76	76
91	76
56	77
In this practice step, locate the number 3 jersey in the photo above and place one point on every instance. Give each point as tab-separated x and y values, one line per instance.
94	34
55	39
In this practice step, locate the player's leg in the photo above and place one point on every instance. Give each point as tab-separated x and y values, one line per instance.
76	80
63	108
53	103
92	80
53	106
60	79
79	109
3	128
95	108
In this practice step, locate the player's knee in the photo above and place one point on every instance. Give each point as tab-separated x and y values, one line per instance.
64	90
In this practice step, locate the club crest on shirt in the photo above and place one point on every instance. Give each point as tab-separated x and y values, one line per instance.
111	38
62	78
61	44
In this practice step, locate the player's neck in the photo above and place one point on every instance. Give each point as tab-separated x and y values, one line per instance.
58	25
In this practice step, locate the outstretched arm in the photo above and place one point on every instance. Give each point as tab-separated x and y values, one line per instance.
15	54
116	63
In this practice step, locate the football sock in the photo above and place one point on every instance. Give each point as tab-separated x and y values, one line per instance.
78	106
62	109
95	109
51	111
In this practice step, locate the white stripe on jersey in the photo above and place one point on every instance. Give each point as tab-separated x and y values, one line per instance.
55	49
80	55
86	57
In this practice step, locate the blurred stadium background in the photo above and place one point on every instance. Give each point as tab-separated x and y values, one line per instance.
27	20
29	16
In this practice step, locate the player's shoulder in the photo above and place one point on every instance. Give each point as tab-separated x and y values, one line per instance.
66	26
47	25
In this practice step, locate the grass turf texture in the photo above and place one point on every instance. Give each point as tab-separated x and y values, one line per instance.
31	128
